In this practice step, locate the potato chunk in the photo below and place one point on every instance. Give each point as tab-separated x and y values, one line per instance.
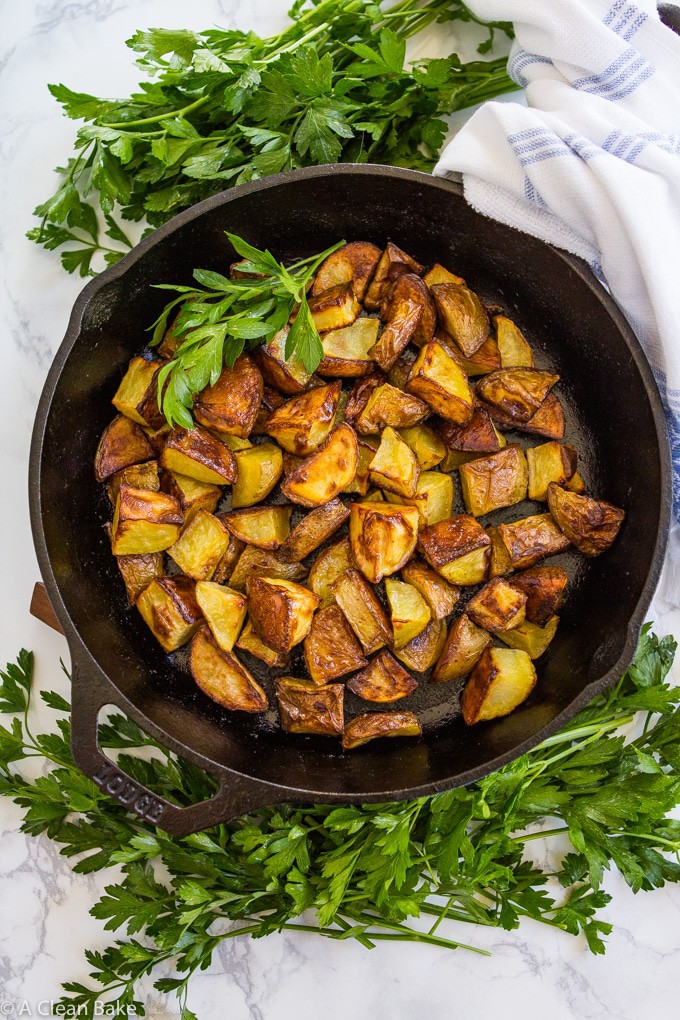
462	650
373	725
231	405
138	572
383	680
514	350
306	708
486	358
516	392
367	446
396	335
438	274
331	649
388	406
201	545
254	562
325	473
433	498
346	351
409	610
489	483
440	382
122	443
259	469
354	263
137	476
230	557
457	548
497	607
221	676
224	610
383	537
532	538
502	679
440	596
429	449
500	564
286	375
423	651
477	435
462	314
544	589
191	495
363	609
394	466
531	638
549	462
267	527
406	295
280	611
393	263
198	454
327	568
334	308
144	522
591	524
250	642
313	530
170	610
303	423
137	395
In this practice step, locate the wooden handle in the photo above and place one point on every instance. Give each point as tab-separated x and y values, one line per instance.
41	607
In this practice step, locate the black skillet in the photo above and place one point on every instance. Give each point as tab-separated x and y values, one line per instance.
613	412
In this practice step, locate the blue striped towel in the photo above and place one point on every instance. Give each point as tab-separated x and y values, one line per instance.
589	160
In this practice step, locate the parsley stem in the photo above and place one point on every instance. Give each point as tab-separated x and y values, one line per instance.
161	116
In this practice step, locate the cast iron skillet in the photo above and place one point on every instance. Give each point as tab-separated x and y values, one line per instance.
613	409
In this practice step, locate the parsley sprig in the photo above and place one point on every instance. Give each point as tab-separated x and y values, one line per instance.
362	873
222	107
215	321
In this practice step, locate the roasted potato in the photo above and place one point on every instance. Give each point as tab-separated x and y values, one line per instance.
383	537
303	423
549	462
201	545
548	421
576	484
486	358
433	499
122	444
327	568
191	494
426	444
267	527
498	606
354	263
591	524
334	308
224	610
221	676
440	275
231	405
514	350
458	549
544	589
462	650
144	522
346	351
489	483
170	610
230	557
137	395
502	679
367	446
462	315
280	611
423	651
363	609
500	564
305	707
138	572
325	473
531	539
258	470
477	435
516	392
401	369
409	611
440	382
198	454
393	263
395	337
373	725
137	476
440	596
310	532
360	394
531	638
254	562
249	641
331	649
407	294
394	466
388	406
286	375
383	680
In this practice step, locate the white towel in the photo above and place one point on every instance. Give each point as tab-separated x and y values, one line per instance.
592	164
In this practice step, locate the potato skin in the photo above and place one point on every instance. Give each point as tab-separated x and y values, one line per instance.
326	472
383	537
280	611
405	295
306	708
169	608
388	406
373	725
249	641
327	568
222	677
331	649
532	538
289	377
208	459
440	381
449	540
396	335
498	606
477	435
363	609
122	444
138	572
334	308
139	476
591	524
383	680
232	404
255	562
462	315
516	392
544	589
440	596
355	263
313	530
303	422
490	483
502	679
462	650
393	263
423	651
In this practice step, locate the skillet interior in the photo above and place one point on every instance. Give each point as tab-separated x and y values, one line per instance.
613	417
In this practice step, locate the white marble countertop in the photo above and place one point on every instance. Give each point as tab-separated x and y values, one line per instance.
44	923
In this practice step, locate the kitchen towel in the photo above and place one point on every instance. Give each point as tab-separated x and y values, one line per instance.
592	164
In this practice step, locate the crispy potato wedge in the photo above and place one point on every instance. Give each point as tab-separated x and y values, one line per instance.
249	642
221	676
326	472
429	449
304	707
576	484
137	476
287	376
422	652
303	423
138	572
359	395
500	564
144	522
458	549
331	649
486	358
363	609
544	589
122	444
462	650
388	406
191	494
254	562
549	462
258	470
170	610
367	446
401	369
548	421
477	435
354	263
531	539
383	537
231	405
409	611
224	610
406	294
201	545
392	264
440	382
531	638
440	596
327	568
157	437
346	351
396	335
591	524
394	467
310	532
280	611
198	454
230	558
440	275
516	392
498	606
514	350
383	680
137	395
462	315
267	527
433	499
373	725
334	308
489	483
502	679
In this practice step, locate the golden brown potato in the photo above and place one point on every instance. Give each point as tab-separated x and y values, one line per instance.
306	708
363	609
409	611
346	351
502	679
388	406
198	454
500	564
303	423
458	548
138	572
313	529
544	589
334	308
137	395
463	649
144	522
477	435
497	607
423	651
383	537
221	676
433	498
429	449
325	473
441	383
331	649
286	375
401	369
254	562
405	295
591	524
122	444
360	394
489	483
396	335
137	476
549	462
393	263
224	610
327	568
250	642
383	680
531	539
576	484
440	275
354	263
373	725
367	446
259	469
230	558
280	611
548	421
516	392
157	437
394	466
531	638
486	358
231	405
170	610
201	545
514	350
267	527
440	596
191	495
462	314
